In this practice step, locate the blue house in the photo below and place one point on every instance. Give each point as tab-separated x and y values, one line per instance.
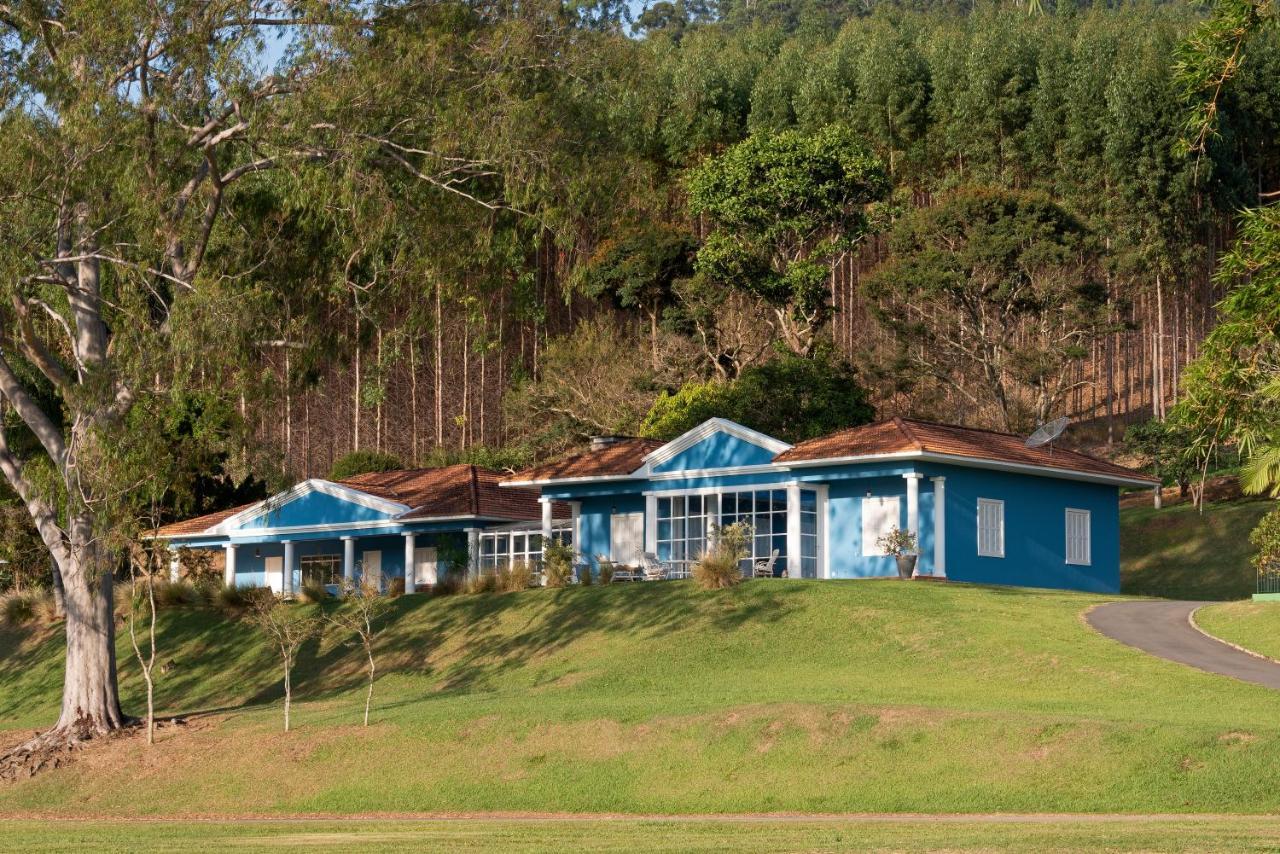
373	526
984	507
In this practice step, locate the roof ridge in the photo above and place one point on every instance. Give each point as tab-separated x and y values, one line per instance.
901	424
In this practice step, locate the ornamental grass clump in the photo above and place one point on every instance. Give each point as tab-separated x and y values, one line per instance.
177	594
18	608
313	592
518	576
721	567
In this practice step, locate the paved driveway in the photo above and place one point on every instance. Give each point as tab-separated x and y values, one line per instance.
1164	629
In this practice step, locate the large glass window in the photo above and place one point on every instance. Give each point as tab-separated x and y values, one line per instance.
684	526
321	569
765	510
808	533
519	545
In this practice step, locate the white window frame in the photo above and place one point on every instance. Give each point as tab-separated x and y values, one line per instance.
995	505
1086	538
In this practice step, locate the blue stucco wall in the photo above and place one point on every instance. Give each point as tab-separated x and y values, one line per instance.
719	450
315	508
1035	530
594	522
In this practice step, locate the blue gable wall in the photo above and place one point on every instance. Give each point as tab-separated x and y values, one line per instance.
719	450
315	508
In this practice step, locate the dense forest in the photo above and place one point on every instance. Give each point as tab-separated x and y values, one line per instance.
523	331
441	231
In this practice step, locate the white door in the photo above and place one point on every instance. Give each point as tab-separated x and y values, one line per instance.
372	564
626	538
274	567
424	566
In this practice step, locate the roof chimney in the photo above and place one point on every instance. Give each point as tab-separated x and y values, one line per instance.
599	443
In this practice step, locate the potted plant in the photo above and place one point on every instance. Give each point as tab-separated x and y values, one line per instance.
902	545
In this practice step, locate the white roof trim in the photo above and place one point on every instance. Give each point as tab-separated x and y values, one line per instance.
598	478
706	430
335	490
978	462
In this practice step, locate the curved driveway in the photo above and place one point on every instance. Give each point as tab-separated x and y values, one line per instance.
1164	629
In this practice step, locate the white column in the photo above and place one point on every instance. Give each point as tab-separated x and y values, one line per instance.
940	526
175	564
575	513
349	559
913	503
793	531
824	546
546	518
473	551
287	582
229	570
650	525
410	581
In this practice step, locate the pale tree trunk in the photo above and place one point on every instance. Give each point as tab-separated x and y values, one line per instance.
288	683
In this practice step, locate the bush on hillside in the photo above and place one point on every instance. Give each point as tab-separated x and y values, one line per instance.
234	601
518	576
483	582
1266	537
557	563
606	572
18	608
313	592
448	583
721	567
177	594
363	462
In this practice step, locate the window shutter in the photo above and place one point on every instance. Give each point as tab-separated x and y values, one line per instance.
1078	545
990	527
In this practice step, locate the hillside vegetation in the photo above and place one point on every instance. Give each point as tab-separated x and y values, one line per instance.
1180	553
872	695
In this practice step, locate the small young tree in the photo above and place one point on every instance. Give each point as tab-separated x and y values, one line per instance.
361	615
142	572
1162	446
287	628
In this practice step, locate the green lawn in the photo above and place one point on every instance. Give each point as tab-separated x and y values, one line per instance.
660	698
740	837
1252	625
1180	553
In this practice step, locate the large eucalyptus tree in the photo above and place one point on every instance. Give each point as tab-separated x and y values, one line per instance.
129	131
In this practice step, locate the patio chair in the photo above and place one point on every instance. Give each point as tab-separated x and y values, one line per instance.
655	569
621	572
764	568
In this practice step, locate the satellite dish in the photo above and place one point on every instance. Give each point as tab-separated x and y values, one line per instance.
1046	433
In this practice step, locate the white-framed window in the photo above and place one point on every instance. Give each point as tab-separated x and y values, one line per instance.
503	547
1078	549
880	514
990	527
684	527
321	569
765	510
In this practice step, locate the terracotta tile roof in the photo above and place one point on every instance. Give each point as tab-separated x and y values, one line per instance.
620	458
899	435
459	490
199	524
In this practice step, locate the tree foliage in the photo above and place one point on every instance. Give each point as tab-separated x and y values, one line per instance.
993	292
784	205
790	397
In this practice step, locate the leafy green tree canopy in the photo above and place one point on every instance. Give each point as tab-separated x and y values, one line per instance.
363	462
993	293
785	205
791	397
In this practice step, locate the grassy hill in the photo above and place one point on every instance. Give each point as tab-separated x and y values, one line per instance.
776	695
1180	553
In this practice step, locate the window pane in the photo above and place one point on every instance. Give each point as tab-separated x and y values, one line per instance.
808	500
